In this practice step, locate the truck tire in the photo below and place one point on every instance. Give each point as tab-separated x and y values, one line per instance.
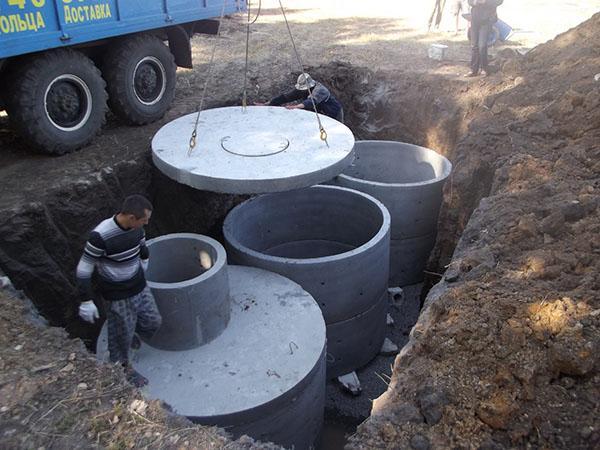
140	74
57	100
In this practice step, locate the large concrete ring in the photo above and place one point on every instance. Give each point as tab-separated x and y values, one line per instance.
264	376
193	300
254	150
408	180
333	241
354	342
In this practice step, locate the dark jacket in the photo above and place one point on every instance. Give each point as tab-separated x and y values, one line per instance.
325	102
484	12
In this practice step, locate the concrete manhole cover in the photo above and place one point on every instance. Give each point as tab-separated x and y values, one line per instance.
262	149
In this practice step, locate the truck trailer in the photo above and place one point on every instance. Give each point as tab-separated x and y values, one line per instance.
63	63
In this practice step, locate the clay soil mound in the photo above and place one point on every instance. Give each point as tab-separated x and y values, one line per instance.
506	352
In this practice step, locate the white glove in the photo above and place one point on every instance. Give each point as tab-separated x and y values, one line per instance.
205	260
144	264
88	311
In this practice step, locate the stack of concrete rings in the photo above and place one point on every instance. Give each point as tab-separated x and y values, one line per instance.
332	241
408	180
226	354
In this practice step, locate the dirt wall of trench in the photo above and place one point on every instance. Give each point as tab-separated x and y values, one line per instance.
505	354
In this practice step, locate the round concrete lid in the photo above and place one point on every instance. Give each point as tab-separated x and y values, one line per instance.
262	149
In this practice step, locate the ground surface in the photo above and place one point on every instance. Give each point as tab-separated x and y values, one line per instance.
505	353
59	397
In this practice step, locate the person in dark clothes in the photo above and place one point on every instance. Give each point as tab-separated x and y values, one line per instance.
116	250
483	16
305	88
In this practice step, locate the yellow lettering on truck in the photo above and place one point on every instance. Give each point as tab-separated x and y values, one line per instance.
85	13
4	25
40	20
67	14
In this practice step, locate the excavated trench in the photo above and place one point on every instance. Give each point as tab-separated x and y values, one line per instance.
41	240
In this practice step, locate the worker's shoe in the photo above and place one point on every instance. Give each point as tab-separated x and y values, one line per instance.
472	74
135	378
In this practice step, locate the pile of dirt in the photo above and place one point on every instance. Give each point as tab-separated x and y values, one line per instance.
505	353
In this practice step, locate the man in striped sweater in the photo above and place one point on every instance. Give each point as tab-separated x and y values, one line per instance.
117	250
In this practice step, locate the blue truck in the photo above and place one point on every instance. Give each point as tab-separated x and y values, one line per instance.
63	63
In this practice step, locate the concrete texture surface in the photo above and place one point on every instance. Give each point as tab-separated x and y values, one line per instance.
334	242
408	258
193	301
262	149
354	342
343	408
263	376
408	180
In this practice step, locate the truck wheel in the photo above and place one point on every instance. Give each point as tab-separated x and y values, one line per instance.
57	100
140	74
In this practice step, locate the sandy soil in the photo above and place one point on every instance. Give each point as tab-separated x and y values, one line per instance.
379	34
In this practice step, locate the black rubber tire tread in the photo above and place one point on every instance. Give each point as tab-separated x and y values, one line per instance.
117	68
25	100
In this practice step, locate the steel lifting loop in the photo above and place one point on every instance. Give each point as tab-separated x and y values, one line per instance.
323	134
192	143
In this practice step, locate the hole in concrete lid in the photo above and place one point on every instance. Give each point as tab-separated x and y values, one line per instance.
178	260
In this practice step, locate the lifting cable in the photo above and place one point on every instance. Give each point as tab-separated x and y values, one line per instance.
208	76
248	23
192	143
322	132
